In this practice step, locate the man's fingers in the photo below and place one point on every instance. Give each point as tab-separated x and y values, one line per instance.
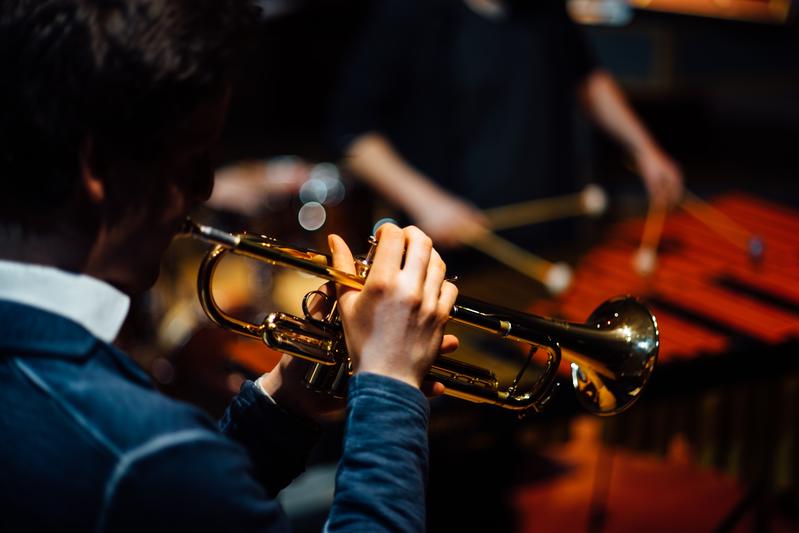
449	344
321	300
342	256
431	389
388	257
342	260
446	301
676	186
418	250
436	271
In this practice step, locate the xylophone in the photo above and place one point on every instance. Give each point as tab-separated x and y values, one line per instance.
708	295
727	381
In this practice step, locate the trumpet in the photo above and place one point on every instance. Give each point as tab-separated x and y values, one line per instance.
612	354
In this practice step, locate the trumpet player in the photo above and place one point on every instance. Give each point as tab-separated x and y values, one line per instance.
109	114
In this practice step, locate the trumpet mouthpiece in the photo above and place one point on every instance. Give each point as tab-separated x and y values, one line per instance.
209	234
189	228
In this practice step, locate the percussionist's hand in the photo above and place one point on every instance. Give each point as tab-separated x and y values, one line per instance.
448	220
395	325
661	175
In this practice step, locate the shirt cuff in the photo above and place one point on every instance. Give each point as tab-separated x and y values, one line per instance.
261	388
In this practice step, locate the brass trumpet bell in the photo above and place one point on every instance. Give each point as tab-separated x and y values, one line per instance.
612	355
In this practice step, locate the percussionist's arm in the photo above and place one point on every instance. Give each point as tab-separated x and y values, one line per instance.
605	103
446	218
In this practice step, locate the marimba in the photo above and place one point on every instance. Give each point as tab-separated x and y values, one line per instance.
708	296
728	372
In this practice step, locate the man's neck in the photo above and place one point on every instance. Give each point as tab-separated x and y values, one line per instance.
59	248
97	306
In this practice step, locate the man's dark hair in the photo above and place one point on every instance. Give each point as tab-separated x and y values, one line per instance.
118	72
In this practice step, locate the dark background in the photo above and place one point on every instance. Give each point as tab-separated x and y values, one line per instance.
722	96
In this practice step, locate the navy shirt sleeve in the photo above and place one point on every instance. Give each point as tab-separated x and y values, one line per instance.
193	480
380	484
196	479
278	443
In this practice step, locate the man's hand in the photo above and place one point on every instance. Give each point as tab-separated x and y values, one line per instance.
285	383
395	325
607	105
447	219
661	176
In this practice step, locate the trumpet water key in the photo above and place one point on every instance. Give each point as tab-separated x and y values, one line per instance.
612	354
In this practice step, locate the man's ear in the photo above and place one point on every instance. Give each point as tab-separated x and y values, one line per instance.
95	188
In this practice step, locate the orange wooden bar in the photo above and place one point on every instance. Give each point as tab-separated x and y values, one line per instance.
705	292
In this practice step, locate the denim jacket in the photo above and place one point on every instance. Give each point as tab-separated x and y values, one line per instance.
87	444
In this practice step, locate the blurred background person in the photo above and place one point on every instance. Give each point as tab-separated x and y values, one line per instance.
475	110
449	107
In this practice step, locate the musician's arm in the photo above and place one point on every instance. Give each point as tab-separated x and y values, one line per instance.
198	480
192	480
446	218
371	86
278	441
382	475
605	103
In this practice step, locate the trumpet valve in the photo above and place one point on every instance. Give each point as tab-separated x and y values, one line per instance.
303	338
364	263
332	380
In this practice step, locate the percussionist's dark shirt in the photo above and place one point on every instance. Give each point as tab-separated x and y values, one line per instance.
484	106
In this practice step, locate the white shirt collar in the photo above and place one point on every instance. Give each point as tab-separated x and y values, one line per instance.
94	304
